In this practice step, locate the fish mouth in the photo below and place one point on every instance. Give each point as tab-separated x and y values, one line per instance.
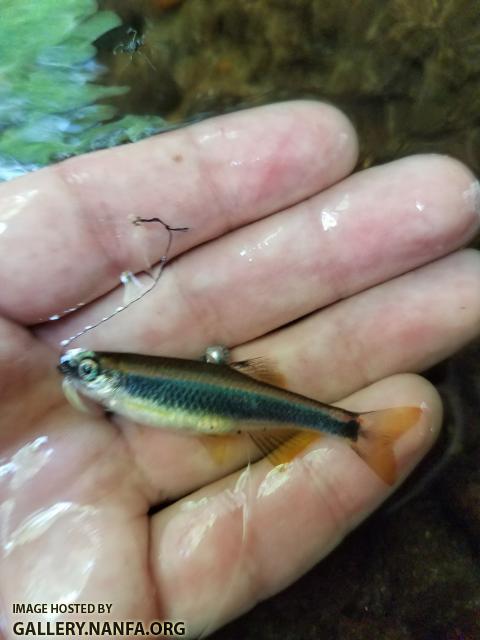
64	368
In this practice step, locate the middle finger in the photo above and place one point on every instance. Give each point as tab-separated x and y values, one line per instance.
371	227
403	325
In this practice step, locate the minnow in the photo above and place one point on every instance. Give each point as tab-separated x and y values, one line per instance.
196	397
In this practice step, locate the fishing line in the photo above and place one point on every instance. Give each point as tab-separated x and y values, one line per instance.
123	307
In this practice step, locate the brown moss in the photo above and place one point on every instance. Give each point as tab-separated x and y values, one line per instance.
405	71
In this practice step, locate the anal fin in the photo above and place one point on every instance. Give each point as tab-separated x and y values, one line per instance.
282	446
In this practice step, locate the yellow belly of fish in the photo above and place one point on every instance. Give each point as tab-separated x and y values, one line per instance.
173	418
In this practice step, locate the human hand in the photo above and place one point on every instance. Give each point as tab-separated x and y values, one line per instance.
280	264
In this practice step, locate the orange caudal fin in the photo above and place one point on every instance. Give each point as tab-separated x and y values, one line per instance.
378	432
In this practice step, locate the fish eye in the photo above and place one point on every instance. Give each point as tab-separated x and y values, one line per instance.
88	369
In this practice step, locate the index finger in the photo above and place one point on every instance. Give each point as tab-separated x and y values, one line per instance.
66	232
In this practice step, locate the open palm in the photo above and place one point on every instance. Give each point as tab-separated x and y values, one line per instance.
285	258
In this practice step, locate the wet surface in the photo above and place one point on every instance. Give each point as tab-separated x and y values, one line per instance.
407	74
412	571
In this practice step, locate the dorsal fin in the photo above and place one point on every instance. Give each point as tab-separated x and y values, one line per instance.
261	369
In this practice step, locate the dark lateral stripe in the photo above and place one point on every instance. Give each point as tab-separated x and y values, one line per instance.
196	372
205	398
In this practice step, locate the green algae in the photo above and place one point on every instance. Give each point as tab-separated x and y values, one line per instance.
51	98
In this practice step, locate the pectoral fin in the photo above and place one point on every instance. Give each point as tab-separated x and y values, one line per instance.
221	448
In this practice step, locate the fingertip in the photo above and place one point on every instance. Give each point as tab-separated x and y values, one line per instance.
454	169
422	437
321	117
314	141
451	184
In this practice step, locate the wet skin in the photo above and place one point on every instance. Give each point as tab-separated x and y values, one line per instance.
345	283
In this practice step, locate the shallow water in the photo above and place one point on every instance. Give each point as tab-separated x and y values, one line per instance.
405	72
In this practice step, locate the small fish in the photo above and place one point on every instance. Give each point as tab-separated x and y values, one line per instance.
198	397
